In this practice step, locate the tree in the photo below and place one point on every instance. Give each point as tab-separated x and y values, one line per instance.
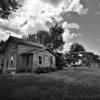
2	45
75	54
60	62
30	37
56	39
68	58
96	59
6	7
90	58
52	39
42	37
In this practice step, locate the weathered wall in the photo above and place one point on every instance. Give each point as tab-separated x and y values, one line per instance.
13	53
10	56
24	48
21	60
45	59
29	66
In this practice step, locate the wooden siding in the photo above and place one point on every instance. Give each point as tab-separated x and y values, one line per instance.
10	56
24	48
17	52
45	62
20	61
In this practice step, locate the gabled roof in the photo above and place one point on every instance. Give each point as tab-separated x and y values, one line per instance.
26	42
30	43
34	51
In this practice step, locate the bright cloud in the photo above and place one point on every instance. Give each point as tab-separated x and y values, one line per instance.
35	15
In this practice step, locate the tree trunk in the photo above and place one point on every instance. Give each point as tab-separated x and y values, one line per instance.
74	66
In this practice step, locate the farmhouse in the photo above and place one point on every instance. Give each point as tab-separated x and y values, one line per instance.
22	55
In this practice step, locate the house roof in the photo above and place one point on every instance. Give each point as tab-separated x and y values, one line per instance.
34	51
27	42
30	43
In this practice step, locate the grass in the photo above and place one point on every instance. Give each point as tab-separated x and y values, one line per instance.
62	85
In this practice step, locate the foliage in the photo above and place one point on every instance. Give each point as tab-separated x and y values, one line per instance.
60	62
90	58
52	40
45	69
96	59
30	37
77	48
56	39
6	7
75	54
42	37
2	44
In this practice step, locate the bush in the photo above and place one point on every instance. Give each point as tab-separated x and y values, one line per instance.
44	69
60	62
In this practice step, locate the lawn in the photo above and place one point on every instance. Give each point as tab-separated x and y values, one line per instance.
60	85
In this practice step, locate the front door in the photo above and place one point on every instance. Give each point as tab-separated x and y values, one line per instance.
28	62
47	63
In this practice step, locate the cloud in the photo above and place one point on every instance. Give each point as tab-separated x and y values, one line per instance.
6	27
36	15
53	2
67	35
65	25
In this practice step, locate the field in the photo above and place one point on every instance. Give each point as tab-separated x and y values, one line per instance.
61	85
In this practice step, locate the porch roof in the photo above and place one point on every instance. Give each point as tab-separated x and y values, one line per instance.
34	51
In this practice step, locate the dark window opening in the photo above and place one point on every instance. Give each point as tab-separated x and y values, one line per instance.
7	62
27	60
40	60
11	62
2	63
51	60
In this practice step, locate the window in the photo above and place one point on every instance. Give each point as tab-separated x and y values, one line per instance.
51	60
27	60
11	60
40	60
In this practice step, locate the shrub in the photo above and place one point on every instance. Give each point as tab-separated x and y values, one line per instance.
60	62
45	69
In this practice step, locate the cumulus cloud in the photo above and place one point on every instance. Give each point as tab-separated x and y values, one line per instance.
35	15
6	27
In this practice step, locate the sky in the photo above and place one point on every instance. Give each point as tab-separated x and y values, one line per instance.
79	18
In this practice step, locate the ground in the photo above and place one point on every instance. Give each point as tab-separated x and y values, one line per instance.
83	83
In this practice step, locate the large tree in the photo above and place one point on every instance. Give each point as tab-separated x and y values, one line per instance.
89	58
56	39
41	37
2	44
30	37
52	39
75	54
6	7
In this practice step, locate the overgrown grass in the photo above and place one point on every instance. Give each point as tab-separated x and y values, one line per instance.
37	87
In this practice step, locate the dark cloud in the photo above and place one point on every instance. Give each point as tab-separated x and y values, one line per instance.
24	23
6	27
